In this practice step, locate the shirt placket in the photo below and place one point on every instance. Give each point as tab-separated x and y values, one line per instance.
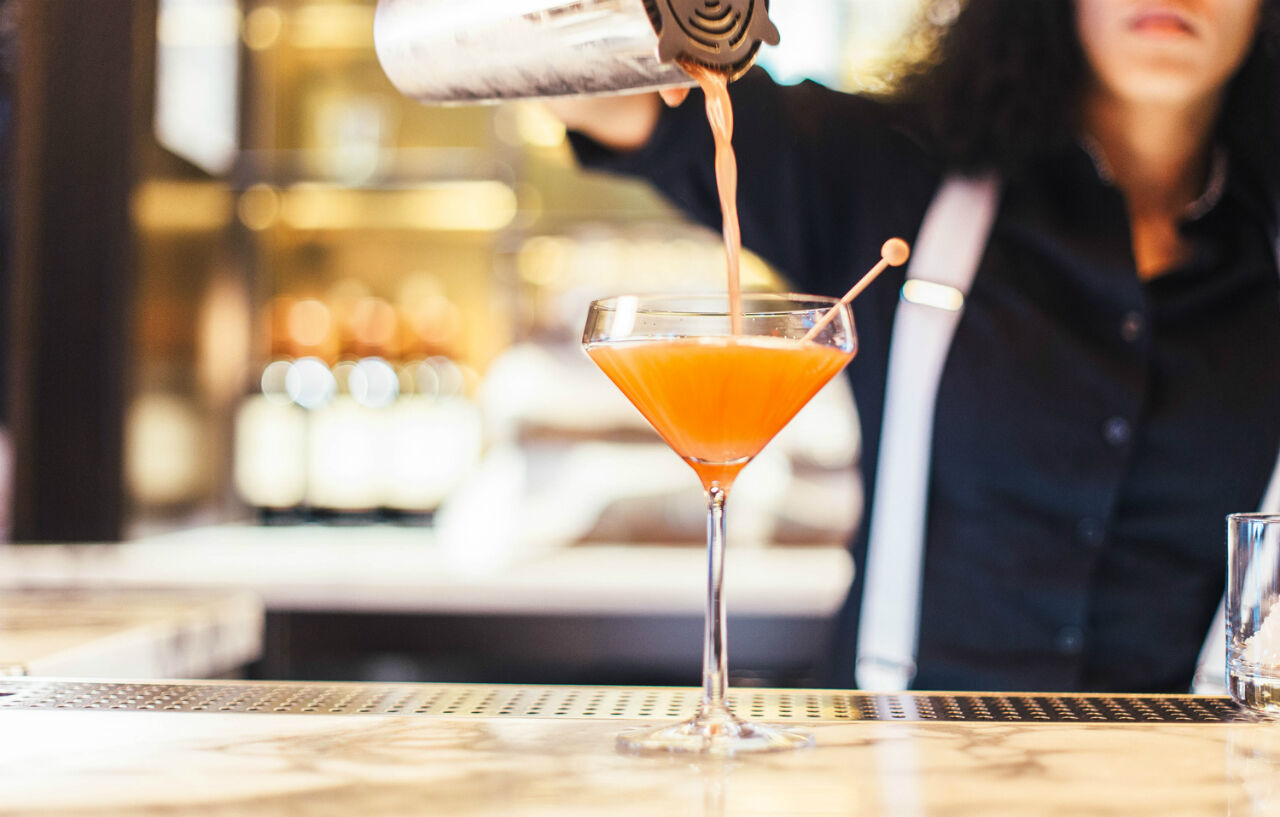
1120	422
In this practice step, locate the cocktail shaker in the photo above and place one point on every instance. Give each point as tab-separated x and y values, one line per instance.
471	51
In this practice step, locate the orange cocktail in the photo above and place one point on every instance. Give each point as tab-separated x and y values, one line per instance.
718	383
717	401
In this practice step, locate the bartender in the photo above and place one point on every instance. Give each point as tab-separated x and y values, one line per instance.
1111	386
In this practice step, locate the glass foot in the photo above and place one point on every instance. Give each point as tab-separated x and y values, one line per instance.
719	735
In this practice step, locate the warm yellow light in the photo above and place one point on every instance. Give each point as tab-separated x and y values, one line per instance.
480	205
539	127
756	274
166	454
223	333
170	206
417	286
309	322
544	260
332	25
373	322
449	206
259	207
434	320
311	206
262	28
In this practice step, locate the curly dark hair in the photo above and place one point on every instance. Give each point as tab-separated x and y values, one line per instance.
1002	79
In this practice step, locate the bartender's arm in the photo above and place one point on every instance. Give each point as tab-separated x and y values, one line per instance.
817	168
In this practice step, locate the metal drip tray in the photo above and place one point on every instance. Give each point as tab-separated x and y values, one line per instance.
631	703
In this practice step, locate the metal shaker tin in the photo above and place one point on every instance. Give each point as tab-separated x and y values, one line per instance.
474	51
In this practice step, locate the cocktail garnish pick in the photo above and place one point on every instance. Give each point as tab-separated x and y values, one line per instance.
894	253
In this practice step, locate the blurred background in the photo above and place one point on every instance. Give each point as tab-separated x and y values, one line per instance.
250	284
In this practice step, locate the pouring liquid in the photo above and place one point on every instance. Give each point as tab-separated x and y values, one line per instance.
715	86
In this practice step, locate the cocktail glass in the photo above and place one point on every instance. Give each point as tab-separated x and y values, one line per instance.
717	397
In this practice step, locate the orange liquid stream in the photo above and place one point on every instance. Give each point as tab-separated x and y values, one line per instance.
715	87
717	401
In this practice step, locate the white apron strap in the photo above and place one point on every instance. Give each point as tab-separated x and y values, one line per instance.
944	261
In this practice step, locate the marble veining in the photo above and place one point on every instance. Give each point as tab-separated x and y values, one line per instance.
112	764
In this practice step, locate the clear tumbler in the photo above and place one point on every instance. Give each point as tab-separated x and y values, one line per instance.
1253	616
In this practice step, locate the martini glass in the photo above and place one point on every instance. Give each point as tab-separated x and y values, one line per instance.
717	398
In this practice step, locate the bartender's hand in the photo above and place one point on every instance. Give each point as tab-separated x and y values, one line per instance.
623	123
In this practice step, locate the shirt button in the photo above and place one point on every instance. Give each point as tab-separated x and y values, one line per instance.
1131	326
1069	641
1116	432
1091	532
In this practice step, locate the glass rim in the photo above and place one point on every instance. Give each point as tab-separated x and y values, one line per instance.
1253	516
815	303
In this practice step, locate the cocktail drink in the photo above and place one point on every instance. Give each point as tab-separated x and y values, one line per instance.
717	396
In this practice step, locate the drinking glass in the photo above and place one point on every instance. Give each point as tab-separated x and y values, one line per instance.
1253	615
717	393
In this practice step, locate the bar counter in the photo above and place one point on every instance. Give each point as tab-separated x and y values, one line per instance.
634	610
392	569
242	748
133	634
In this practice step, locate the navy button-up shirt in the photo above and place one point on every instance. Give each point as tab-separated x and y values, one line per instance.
1092	430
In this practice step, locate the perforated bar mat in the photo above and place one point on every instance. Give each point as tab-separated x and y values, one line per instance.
468	701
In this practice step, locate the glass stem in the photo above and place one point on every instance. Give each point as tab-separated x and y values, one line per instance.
714	658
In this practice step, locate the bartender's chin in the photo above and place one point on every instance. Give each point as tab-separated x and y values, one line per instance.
1167	78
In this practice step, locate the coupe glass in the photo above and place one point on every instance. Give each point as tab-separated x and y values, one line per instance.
717	397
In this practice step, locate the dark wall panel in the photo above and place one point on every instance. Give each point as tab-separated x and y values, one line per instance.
76	122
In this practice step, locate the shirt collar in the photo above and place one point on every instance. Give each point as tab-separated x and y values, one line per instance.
1214	188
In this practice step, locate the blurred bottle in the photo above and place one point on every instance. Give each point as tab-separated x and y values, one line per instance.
344	437
272	424
359	417
270	451
434	437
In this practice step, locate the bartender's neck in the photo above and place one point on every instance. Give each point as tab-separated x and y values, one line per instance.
1158	154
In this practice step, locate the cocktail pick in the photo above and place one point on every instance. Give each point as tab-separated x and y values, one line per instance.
894	253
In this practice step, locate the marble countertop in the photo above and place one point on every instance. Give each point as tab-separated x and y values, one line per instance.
401	569
68	763
128	633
